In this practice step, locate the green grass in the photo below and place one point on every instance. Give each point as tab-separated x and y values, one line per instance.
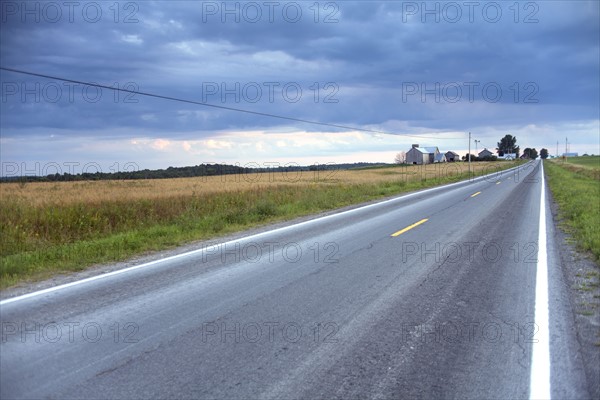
586	313
588	166
577	194
39	242
590	161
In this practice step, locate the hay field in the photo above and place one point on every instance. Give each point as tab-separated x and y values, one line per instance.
55	227
40	194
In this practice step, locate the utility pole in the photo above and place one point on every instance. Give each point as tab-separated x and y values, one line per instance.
469	155
557	149
476	147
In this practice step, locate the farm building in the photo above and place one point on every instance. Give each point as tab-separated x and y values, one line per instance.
508	156
440	157
421	155
452	156
485	153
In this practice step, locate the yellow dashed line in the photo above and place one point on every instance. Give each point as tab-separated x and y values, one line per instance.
409	227
475	194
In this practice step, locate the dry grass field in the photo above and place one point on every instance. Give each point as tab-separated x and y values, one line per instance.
53	227
41	194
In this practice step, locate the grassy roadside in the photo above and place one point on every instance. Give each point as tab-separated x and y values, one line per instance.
49	228
575	186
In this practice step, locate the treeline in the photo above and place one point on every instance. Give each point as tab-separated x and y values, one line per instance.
184	172
475	158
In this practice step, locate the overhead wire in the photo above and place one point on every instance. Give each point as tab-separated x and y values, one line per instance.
200	103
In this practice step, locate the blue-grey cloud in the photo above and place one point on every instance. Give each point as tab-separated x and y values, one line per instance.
366	64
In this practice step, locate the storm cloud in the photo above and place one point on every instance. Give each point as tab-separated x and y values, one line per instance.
430	69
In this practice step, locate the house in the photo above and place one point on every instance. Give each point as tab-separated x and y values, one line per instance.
421	155
485	153
439	157
452	156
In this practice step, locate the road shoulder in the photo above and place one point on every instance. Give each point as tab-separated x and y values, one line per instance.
580	276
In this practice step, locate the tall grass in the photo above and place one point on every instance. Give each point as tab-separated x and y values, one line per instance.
588	165
48	228
577	192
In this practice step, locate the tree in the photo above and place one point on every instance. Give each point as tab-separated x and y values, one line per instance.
487	158
508	144
473	157
400	158
544	153
530	153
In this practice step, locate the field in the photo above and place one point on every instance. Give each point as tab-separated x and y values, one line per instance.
54	227
575	185
589	161
588	166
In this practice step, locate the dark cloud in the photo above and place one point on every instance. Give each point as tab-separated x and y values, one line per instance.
371	53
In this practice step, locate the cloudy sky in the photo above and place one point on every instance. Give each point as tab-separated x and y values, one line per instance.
391	73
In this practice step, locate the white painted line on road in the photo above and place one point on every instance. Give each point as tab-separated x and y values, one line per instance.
211	248
539	381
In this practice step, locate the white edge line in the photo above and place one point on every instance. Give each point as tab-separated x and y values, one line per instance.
192	252
539	381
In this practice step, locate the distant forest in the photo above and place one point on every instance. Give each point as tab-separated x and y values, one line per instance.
184	172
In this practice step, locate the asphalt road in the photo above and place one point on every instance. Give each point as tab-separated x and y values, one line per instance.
428	295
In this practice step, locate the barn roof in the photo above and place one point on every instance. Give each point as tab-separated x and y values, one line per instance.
426	150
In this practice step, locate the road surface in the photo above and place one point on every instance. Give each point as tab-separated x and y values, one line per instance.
443	293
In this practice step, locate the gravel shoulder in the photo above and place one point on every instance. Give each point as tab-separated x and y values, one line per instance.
582	277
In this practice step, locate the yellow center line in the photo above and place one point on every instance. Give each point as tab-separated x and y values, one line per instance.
475	194
409	227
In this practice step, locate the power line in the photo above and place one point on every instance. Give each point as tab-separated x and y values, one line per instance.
158	96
